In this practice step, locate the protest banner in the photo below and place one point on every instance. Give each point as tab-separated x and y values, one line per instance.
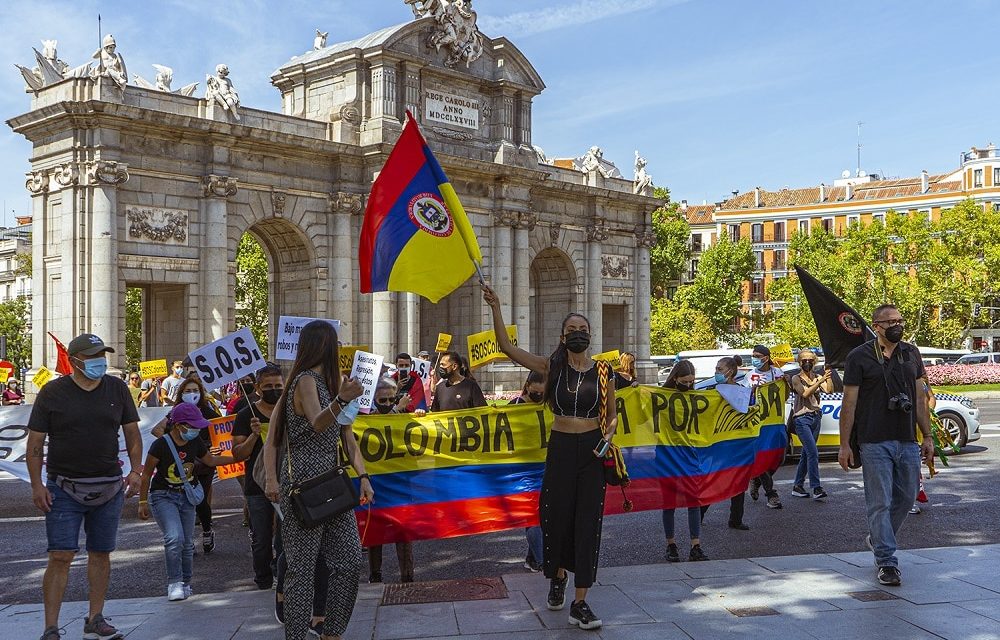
153	369
366	369
220	430
346	354
614	357
4	376
444	341
466	472
227	359
42	377
9	368
423	368
782	354
483	346
286	344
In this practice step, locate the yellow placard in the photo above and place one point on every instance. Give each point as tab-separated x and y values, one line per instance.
782	354
444	341
483	346
347	356
614	357
4	375
153	369
221	433
42	377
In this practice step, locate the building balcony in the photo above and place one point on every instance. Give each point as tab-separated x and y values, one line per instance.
980	154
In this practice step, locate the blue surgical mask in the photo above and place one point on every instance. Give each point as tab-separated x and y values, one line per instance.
756	362
720	378
94	368
190	434
191	397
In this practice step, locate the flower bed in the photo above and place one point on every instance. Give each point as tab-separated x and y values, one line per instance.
956	374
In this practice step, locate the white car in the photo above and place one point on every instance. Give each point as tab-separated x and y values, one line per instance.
979	358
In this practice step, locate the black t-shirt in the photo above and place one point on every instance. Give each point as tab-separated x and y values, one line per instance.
166	475
873	419
241	427
461	395
82	426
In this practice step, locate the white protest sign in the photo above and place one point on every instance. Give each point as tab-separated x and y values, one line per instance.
227	359
366	370
286	344
423	368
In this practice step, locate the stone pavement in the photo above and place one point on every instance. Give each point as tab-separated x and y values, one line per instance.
951	592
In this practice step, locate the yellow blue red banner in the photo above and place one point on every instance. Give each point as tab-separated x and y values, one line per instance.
466	472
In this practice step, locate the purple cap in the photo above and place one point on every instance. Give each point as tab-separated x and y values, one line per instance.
189	414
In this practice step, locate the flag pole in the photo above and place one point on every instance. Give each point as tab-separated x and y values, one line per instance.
479	272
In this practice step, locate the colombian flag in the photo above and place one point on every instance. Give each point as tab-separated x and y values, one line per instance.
416	236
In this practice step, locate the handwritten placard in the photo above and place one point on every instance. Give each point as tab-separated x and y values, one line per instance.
286	345
366	370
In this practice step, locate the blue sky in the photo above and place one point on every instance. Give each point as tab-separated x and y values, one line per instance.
716	94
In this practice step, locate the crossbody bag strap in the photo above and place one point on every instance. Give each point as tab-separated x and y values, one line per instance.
177	459
602	386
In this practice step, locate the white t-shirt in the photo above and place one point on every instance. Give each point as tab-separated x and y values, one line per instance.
756	377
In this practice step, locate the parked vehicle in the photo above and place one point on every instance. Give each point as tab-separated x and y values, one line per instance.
980	358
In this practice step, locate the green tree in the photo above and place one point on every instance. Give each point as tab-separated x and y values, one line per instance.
717	290
676	326
252	289
15	316
133	327
669	257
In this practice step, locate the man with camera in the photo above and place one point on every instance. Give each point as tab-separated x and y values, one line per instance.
881	409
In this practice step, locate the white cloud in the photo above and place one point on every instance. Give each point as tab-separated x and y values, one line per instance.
526	23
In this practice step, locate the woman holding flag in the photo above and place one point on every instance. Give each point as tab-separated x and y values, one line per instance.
571	506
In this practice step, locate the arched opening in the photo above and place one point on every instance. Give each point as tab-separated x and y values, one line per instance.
553	295
275	275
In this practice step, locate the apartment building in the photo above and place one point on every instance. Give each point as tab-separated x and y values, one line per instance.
14	241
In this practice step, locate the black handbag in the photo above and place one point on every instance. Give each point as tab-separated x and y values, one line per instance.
323	497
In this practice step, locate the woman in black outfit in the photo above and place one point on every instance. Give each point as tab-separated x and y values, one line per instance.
571	506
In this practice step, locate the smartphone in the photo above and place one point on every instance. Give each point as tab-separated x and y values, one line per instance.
602	447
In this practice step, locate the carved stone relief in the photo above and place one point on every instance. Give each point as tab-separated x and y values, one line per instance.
213	186
346	202
597	232
66	174
278	203
37	182
168	226
107	172
615	267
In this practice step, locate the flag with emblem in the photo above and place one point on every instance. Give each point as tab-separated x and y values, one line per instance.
840	327
416	236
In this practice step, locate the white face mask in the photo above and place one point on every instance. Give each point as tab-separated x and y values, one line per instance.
191	397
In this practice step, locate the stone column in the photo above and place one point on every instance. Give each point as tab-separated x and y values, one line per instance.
501	262
344	207
596	234
522	277
645	239
411	341
215	256
37	184
102	300
383	319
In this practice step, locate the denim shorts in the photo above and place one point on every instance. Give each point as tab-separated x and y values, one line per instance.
62	522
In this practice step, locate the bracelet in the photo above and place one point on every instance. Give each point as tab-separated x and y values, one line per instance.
135	472
343	403
144	502
364	475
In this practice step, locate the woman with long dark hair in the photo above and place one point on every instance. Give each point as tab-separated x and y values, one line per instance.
312	417
571	506
725	373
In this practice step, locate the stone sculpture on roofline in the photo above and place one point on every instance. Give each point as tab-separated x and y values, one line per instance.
164	76
642	184
111	64
319	42
220	90
455	29
49	69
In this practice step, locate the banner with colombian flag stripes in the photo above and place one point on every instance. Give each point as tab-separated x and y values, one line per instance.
415	236
465	472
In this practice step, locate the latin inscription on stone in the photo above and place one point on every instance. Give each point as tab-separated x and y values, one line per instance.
168	226
448	108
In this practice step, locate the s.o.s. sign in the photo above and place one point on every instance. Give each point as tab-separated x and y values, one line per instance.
227	359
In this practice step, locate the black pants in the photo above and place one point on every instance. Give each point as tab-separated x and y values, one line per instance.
571	507
204	508
736	505
262	536
767	482
404	554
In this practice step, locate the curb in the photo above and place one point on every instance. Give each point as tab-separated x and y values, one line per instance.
977	395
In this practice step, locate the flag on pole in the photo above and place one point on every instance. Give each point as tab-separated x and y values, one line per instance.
416	236
840	327
63	367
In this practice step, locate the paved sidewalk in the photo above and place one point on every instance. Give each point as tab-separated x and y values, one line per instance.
949	593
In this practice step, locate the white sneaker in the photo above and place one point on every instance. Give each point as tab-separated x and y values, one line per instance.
175	591
188	590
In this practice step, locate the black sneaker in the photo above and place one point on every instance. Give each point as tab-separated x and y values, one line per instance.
818	493
672	554
375	577
697	555
530	564
889	576
98	628
208	541
279	609
773	503
51	633
316	630
799	491
741	526
557	593
754	489
581	615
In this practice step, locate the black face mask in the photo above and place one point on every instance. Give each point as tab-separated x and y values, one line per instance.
682	386
894	333
535	397
270	396
807	365
443	373
577	341
383	408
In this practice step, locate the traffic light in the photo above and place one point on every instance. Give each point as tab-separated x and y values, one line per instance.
976	308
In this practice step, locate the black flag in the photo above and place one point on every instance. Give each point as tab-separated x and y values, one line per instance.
840	327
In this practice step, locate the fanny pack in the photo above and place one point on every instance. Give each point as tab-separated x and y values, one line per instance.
91	492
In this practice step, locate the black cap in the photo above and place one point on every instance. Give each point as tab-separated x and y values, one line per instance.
762	350
87	344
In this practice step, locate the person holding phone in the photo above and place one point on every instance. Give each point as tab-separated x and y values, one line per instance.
571	506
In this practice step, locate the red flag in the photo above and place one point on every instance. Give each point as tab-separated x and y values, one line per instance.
63	367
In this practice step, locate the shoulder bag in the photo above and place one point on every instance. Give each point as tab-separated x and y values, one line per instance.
194	493
615	472
322	497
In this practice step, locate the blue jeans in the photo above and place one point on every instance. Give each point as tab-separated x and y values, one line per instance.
62	522
807	429
694	522
891	472
175	516
535	546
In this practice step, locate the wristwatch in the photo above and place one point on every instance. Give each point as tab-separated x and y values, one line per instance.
343	403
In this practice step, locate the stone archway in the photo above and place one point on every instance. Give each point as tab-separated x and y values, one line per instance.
292	271
553	295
